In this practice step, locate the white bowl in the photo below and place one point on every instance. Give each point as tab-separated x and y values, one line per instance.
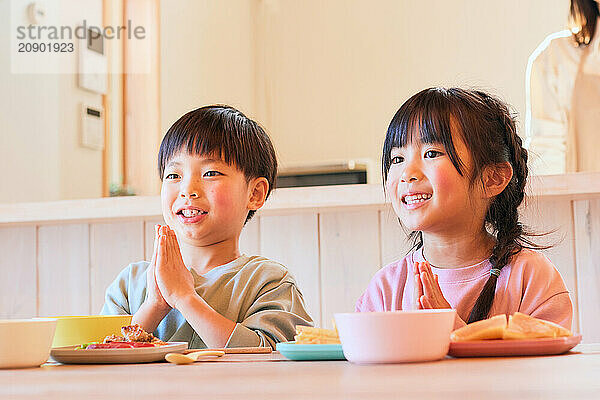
25	342
395	336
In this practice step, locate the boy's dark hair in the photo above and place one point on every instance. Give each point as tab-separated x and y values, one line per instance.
226	132
584	17
489	132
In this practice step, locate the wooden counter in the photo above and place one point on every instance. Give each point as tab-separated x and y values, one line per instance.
59	257
580	185
570	376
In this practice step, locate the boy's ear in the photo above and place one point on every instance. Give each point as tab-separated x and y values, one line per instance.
257	190
496	178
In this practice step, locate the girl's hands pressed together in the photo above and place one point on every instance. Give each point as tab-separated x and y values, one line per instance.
153	296
429	293
173	279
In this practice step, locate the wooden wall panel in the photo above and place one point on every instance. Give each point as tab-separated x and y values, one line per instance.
333	256
394	240
293	240
587	251
64	270
113	246
250	237
555	217
350	256
18	286
149	234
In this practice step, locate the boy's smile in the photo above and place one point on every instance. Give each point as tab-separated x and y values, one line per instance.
204	199
191	214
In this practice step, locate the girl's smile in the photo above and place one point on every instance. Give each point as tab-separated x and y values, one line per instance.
414	200
427	191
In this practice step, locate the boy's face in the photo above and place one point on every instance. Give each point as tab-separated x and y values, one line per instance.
204	200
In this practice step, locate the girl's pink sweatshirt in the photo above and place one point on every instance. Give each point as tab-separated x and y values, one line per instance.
529	284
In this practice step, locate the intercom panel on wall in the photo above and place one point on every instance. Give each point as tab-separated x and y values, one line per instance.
92	127
93	62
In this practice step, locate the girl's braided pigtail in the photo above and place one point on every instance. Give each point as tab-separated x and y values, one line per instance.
503	214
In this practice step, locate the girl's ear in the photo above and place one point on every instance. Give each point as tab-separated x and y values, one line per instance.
257	191
496	178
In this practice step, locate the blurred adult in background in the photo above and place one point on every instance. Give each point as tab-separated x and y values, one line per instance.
563	96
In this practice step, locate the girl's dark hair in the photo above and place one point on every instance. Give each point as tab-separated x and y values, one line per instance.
489	132
583	17
225	132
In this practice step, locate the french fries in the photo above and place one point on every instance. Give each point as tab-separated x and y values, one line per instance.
310	335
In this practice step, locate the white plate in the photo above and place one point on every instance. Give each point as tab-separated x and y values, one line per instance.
69	355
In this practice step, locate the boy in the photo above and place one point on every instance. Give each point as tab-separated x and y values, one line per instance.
217	168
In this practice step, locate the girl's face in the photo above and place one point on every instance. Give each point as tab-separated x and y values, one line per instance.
427	192
204	200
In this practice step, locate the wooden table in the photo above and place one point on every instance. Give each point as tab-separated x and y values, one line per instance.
574	375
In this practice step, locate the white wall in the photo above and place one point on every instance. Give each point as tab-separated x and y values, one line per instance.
80	167
207	56
334	72
40	156
29	129
324	77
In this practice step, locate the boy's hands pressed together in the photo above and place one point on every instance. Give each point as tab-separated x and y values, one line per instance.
171	285
429	292
155	306
173	279
153	295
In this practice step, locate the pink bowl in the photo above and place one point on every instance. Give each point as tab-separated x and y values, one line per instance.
395	336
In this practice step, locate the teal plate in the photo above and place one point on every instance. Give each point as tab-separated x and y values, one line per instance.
304	352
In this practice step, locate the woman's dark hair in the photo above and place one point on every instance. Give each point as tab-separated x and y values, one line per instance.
489	132
225	132
583	17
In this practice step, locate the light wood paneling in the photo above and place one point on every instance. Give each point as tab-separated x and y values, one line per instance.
350	256
112	247
149	235
250	237
293	240
587	250
555	217
18	286
64	270
333	255
394	240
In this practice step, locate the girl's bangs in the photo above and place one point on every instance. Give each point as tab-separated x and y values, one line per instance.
423	125
425	117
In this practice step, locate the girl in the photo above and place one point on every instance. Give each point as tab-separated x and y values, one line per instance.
563	95
455	170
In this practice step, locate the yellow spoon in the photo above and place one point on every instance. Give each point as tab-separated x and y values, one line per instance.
178	358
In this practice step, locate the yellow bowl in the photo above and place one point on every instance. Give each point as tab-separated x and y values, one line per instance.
74	330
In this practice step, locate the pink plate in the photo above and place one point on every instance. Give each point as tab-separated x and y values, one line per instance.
499	348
